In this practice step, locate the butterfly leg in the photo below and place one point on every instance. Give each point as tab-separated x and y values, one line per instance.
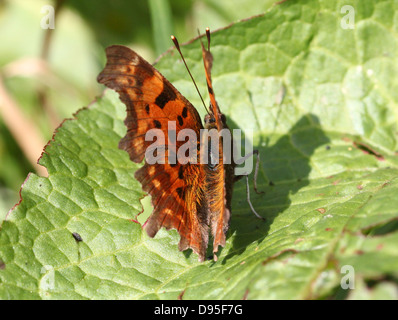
248	199
237	178
255	152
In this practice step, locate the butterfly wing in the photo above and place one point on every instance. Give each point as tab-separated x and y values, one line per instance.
177	191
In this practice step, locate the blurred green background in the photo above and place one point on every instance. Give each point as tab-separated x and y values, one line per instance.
47	75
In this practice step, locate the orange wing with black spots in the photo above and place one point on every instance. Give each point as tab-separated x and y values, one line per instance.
177	191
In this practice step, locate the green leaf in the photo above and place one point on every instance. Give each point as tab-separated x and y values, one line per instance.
322	103
161	24
380	291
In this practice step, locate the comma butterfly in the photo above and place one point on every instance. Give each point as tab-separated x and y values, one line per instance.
192	197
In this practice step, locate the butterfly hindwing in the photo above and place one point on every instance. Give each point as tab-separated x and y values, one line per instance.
178	203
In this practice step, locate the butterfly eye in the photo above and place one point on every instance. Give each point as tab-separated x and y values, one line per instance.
209	119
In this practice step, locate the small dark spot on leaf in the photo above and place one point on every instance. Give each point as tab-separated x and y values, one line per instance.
321	210
77	237
359	187
245	295
2	265
271	183
328	229
181	295
342	250
368	150
359	252
328	147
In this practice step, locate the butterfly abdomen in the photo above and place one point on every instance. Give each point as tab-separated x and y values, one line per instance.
219	186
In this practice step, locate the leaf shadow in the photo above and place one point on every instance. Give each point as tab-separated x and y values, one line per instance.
284	170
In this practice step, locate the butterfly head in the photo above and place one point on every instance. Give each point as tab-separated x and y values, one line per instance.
211	122
214	118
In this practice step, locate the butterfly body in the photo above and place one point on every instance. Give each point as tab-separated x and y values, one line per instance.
220	179
195	197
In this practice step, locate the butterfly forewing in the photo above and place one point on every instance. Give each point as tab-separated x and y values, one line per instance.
151	101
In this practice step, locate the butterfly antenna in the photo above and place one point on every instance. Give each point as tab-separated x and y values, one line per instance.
177	45
208	62
208	38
